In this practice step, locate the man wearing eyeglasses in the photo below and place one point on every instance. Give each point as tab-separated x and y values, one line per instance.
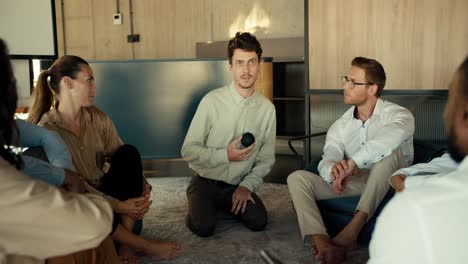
369	142
228	170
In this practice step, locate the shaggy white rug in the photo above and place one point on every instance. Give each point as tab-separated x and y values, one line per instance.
232	242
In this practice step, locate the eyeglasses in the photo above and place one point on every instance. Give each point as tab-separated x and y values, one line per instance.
351	84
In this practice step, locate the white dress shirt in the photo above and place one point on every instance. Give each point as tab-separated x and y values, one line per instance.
427	224
390	127
427	172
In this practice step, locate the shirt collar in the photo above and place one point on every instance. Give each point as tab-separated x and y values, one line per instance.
377	109
238	98
53	117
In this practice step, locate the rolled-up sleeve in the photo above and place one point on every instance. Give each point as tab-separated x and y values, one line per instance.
333	151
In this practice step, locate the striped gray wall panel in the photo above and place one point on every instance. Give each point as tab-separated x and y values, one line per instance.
427	109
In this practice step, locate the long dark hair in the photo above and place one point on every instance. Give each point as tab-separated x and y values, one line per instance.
8	99
48	84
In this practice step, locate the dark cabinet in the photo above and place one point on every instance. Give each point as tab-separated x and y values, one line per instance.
288	97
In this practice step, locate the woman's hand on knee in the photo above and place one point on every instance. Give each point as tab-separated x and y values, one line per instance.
133	206
144	209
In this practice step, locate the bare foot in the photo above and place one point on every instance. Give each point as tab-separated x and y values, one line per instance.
330	255
128	256
163	249
348	236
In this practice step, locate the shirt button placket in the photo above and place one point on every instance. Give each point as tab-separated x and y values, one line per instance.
363	132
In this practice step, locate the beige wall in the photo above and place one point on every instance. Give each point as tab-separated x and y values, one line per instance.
419	42
169	28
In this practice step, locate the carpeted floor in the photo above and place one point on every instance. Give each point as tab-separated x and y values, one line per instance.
232	242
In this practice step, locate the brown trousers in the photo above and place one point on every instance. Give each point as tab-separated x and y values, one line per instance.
103	254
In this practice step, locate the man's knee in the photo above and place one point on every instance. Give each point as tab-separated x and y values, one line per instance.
382	170
301	178
201	227
255	217
257	224
293	179
296	178
395	159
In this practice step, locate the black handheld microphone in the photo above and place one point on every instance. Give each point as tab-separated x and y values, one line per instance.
247	139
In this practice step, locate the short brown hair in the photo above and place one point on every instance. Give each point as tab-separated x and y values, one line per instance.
244	41
375	73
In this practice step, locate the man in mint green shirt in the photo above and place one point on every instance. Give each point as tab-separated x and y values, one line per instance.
227	174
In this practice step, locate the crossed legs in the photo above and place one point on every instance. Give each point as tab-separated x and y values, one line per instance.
124	181
306	188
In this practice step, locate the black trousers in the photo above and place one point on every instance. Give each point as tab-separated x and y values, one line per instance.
207	197
124	180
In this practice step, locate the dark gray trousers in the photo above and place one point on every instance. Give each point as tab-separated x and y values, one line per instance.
206	198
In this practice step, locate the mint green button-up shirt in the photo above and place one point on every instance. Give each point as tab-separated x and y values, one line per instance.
222	116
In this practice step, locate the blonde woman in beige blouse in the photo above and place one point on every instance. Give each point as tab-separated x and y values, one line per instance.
34	215
110	167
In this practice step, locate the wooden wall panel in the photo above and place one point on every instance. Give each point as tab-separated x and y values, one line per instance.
111	40
80	43
169	28
420	43
79	28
